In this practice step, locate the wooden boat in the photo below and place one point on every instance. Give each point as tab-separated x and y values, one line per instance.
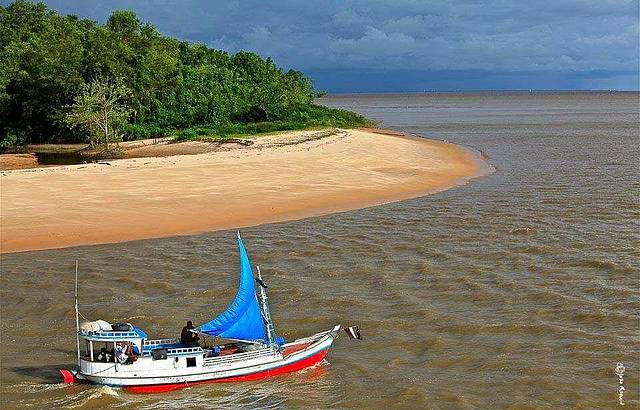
251	350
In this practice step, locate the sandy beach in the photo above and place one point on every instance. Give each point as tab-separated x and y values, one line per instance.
280	177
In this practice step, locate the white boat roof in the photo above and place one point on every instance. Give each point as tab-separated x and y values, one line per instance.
114	335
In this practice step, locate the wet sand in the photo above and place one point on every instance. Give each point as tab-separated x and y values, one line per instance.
18	161
280	177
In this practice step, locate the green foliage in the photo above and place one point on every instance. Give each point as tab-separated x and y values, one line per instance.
41	54
310	117
11	139
320	116
131	132
101	109
188	134
47	61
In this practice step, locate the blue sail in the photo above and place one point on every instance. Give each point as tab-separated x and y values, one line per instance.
243	317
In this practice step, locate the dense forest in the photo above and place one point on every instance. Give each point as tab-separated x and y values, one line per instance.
59	71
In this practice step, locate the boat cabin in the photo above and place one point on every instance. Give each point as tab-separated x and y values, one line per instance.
102	345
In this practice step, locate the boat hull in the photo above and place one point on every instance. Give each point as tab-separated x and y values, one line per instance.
288	368
154	376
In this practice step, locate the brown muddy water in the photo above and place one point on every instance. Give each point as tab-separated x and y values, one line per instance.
520	289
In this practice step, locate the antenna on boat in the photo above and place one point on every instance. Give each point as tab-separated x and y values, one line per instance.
264	301
77	319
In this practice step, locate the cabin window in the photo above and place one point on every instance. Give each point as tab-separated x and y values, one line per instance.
191	362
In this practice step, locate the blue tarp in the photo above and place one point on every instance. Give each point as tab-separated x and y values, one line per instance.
140	332
243	318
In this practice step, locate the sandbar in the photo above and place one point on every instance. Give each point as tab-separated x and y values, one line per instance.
285	176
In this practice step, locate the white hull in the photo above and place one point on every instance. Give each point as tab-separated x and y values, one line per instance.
175	370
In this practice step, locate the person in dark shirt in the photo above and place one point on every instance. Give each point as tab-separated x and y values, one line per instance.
188	337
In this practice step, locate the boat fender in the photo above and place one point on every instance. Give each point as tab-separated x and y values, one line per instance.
67	376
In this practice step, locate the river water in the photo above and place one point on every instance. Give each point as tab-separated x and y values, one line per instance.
520	289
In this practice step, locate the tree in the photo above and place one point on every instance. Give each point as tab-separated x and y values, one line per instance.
41	57
101	109
47	60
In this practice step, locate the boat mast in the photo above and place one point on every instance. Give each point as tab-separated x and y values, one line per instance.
266	315
77	319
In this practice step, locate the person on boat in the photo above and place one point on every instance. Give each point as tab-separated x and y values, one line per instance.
133	352
104	355
188	337
121	352
125	353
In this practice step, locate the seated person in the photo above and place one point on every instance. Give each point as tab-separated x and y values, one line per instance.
125	353
121	352
188	337
133	352
104	355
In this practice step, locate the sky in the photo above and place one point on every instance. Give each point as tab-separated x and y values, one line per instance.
412	45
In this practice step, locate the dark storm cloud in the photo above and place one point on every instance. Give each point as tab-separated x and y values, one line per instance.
357	35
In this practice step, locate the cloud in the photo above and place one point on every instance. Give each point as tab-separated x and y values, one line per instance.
503	35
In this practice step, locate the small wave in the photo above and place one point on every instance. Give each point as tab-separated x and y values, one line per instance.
37	387
497	328
608	265
161	286
600	316
94	394
217	293
93	275
397	363
304	253
558	299
413	394
523	231
449	362
420	314
606	290
128	280
436	342
136	317
137	284
536	250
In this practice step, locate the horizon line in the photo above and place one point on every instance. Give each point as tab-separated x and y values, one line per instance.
516	90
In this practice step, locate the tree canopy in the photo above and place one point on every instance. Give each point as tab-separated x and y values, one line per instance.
49	60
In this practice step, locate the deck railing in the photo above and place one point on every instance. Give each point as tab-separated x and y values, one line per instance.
126	334
184	350
157	342
237	357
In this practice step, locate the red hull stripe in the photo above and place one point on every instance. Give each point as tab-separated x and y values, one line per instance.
292	367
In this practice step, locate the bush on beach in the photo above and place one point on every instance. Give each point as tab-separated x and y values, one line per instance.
311	117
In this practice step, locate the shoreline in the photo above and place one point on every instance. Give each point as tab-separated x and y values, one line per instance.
284	176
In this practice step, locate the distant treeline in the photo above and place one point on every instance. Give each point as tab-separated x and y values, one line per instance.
48	60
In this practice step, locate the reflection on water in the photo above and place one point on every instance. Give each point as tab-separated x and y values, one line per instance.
518	289
61	158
